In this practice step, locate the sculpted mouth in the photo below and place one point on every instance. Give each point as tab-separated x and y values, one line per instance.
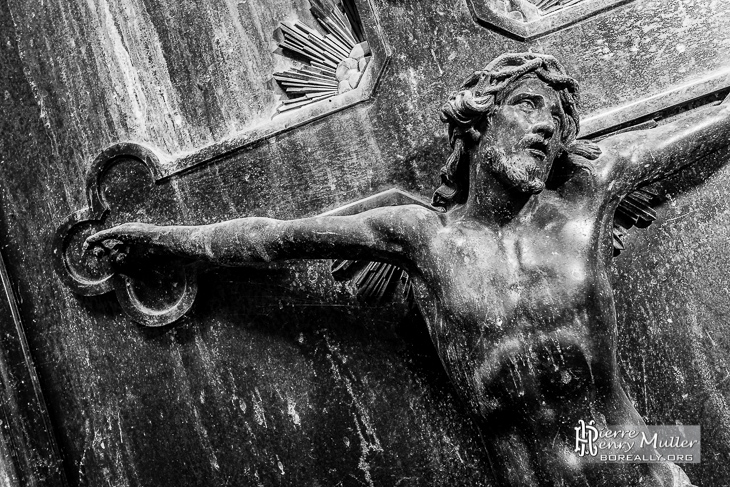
536	146
541	155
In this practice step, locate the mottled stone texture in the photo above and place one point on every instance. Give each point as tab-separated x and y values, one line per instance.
673	309
279	376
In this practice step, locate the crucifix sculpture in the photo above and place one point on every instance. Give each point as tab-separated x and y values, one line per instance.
509	268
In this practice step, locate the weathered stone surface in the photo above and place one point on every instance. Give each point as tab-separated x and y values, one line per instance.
217	398
673	314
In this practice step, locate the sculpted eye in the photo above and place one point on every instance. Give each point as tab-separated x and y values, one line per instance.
526	103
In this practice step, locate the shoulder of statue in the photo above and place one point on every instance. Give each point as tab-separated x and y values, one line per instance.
394	211
425	215
596	161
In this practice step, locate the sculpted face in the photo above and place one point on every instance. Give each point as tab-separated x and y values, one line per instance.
522	138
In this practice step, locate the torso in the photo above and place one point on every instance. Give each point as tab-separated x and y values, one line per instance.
522	313
523	318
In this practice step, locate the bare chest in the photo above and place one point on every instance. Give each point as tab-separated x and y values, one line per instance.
507	281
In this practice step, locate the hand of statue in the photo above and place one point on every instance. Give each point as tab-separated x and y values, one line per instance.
129	241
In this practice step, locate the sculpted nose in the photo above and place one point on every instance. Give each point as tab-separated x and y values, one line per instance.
545	129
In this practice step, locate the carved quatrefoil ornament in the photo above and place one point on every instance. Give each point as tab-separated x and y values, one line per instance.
333	67
529	19
120	186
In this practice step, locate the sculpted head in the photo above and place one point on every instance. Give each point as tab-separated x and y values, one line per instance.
514	119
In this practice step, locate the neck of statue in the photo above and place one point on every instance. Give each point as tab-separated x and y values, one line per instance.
492	202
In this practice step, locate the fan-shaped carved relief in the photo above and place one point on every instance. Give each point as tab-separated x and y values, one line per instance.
327	62
529	19
333	61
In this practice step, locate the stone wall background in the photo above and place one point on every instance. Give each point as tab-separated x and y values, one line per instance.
278	376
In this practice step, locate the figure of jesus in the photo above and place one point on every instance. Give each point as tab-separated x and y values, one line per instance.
511	277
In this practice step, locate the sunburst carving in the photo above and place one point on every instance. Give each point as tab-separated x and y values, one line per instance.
329	62
531	10
547	7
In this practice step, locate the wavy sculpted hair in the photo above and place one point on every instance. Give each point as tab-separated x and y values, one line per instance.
471	107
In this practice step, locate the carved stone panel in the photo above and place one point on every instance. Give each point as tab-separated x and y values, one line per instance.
530	19
279	375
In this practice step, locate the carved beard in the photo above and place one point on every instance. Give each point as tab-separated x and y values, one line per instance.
520	173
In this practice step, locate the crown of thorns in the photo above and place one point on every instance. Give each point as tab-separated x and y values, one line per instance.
476	98
477	93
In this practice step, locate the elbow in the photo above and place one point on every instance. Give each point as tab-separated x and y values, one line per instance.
257	239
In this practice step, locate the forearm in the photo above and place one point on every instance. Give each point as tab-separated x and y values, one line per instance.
229	243
378	234
246	240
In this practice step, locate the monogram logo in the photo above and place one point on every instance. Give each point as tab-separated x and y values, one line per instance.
585	437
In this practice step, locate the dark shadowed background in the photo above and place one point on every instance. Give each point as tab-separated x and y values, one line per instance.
278	375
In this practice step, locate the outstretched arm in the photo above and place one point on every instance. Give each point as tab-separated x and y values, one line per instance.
636	158
385	234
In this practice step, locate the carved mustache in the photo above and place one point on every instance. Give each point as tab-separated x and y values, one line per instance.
537	143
